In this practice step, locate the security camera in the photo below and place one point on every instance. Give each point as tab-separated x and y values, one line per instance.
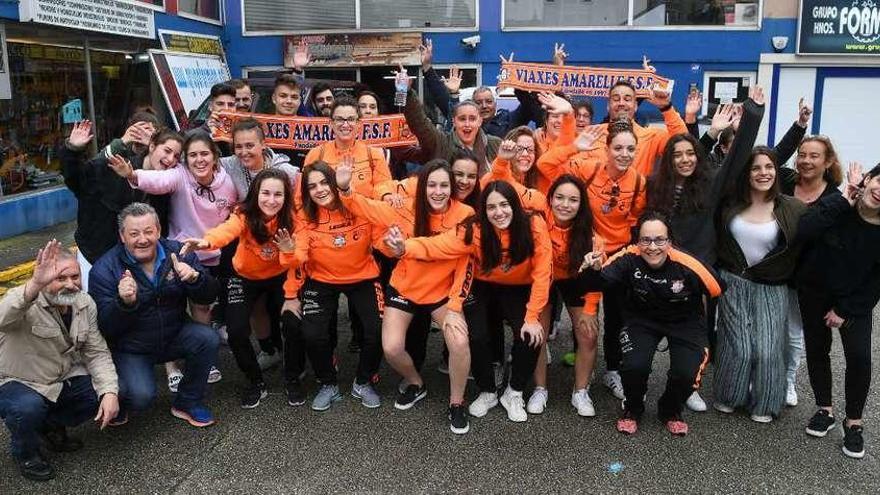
471	41
779	43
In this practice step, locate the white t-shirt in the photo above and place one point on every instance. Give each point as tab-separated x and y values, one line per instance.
755	239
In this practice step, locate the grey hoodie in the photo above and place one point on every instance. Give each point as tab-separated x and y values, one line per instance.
242	177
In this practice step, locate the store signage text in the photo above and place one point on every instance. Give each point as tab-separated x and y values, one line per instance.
839	27
106	16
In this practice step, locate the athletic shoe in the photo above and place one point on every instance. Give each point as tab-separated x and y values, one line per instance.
723	408
791	396
663	345
537	401
443	367
327	395
221	332
762	418
267	361
614	383
252	395
583	403
853	443
198	416
569	358
512	401
296	396
820	424
627	424
214	375
696	403
482	404
499	370
458	419
368	396
411	394
677	427
174	379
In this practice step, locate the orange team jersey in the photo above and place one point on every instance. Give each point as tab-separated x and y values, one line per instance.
252	260
559	237
338	249
615	204
567	134
370	167
422	282
531	199
405	188
650	146
535	271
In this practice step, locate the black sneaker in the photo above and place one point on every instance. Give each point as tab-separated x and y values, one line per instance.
820	424
296	396
55	438
36	468
252	395
458	419
853	443
410	395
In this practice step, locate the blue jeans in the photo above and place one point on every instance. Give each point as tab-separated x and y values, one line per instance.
195	343
26	412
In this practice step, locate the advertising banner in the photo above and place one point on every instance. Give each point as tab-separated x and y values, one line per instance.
354	50
839	27
186	80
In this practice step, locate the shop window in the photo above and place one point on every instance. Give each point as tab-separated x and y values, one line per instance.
151	3
405	14
637	13
298	15
209	9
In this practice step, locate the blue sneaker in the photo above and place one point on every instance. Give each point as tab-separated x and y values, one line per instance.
327	395
367	394
198	416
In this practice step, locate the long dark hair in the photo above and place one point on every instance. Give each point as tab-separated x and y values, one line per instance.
251	209
473	198
743	190
661	187
522	246
580	238
422	226
308	205
530	179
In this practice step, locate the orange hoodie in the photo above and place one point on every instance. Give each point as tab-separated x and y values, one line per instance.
252	260
559	237
615	204
370	167
532	199
535	271
422	282
567	135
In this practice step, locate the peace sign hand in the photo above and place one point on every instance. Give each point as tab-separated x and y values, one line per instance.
395	241
559	54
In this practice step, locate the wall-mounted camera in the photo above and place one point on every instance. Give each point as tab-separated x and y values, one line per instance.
779	43
471	41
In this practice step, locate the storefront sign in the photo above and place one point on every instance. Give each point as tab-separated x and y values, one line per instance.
354	50
186	80
839	27
578	81
104	16
304	133
202	44
5	86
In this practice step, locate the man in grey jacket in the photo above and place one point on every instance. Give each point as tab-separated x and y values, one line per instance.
55	368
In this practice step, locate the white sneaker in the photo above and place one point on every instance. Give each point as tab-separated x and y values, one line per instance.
615	385
538	401
791	397
757	418
723	408
267	361
482	404
214	375
174	379
583	403
512	401
696	403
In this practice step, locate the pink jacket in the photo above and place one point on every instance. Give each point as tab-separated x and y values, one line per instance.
193	209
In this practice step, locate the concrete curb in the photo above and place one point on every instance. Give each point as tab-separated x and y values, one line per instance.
17	271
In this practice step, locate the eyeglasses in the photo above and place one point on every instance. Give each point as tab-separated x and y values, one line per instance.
612	201
340	120
657	241
525	150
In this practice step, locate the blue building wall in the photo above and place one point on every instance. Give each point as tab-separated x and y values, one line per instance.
37	210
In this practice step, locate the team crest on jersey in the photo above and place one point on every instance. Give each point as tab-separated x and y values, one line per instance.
677	286
267	252
339	241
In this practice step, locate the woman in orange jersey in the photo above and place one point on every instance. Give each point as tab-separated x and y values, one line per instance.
616	193
418	287
262	224
663	292
335	248
513	259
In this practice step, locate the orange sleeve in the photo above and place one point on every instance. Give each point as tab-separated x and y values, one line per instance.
381	172
591	303
226	232
461	283
500	171
568	131
312	156
542	270
713	286
554	162
302	241
376	212
294	281
405	188
446	246
639	202
674	125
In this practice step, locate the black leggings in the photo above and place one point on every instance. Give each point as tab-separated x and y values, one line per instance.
855	335
242	295
688	356
320	301
612	323
512	299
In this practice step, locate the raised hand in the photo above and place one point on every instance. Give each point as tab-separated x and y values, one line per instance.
592	260
284	241
401	77
426	51
585	139
532	333
344	171
505	60
804	113
756	93
660	97
554	104
81	134
854	178
185	273
301	57
127	289
737	116
454	321
453	82
45	269
507	150
693	106
394	241
107	409
394	200
559	54
722	119
193	244
293	305
121	166
139	132
646	64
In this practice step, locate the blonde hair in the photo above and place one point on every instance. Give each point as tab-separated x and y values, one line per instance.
834	172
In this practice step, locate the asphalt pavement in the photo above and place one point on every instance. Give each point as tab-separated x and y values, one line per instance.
350	449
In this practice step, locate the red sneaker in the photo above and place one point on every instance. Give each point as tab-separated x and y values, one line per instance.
677	427
627	425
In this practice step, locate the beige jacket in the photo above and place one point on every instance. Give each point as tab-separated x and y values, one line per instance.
36	351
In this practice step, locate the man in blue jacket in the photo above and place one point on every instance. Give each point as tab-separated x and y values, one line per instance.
141	289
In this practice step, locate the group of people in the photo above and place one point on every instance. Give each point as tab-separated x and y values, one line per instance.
499	222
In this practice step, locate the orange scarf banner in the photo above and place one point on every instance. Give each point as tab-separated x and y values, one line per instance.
305	133
578	81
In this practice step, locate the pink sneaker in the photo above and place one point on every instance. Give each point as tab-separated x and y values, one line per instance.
677	427
627	425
